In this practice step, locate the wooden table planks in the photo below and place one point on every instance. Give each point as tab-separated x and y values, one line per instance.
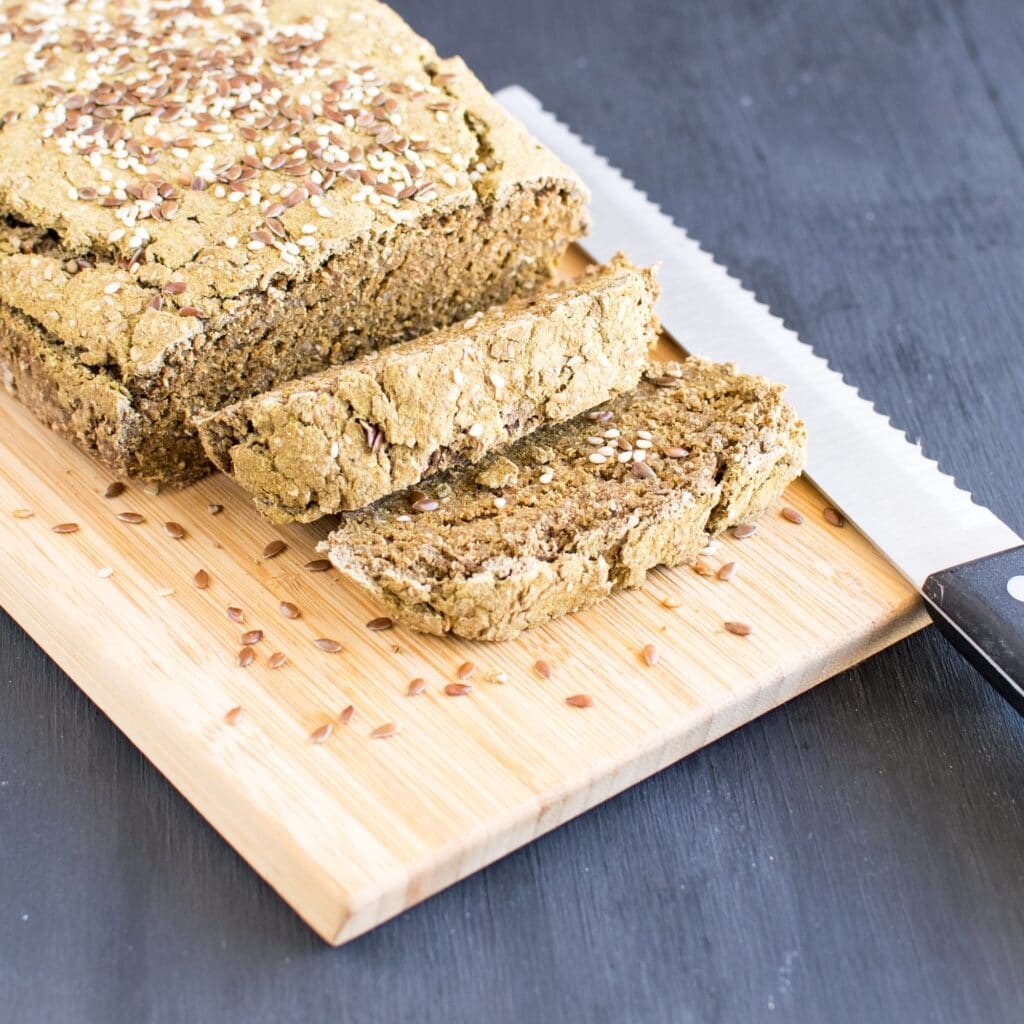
354	830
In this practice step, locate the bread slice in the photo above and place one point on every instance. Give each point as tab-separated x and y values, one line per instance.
352	434
566	515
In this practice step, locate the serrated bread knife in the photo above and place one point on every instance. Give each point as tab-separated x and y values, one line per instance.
967	565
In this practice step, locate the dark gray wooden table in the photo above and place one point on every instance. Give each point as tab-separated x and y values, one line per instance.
855	856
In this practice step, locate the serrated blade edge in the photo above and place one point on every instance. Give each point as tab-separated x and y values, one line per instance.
912	511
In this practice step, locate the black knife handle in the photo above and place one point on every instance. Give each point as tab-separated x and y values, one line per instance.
979	606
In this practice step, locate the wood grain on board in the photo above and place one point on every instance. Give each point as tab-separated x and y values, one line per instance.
354	829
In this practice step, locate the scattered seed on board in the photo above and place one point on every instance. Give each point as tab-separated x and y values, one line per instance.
580	700
702	567
132	518
727	572
164	591
23	513
174	530
328	645
416	687
201	580
320	735
277	659
650	655
246	657
105	573
250	637
385	731
65	528
289	610
739	628
465	670
152	489
114	489
672	602
834	517
214	510
346	715
236	615
457	689
792	514
235	715
274	548
543	668
379	624
744	530
318	565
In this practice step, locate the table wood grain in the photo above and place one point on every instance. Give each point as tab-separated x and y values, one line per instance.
853	856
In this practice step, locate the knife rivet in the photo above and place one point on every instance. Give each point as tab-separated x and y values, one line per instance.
1015	587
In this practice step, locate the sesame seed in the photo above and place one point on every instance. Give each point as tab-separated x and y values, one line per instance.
23	513
476	430
649	655
596	458
113	288
642	443
645	435
675	453
105	573
672	602
500	502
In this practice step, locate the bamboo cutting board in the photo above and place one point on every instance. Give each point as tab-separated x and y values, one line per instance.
353	829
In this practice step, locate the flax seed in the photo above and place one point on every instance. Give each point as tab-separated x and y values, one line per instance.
289	610
380	624
834	517
114	489
23	513
580	700
416	687
132	518
727	571
328	645
543	668
246	656
174	530
385	731
277	659
346	714
465	670
739	628
318	565
235	715
250	637
743	531
201	580
322	734
792	515
457	689
236	615
274	548
65	528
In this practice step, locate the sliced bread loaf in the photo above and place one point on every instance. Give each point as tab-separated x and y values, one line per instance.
347	436
564	516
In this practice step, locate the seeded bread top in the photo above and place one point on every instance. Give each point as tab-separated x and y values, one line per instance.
158	159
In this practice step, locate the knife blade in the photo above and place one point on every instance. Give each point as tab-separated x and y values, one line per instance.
967	564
